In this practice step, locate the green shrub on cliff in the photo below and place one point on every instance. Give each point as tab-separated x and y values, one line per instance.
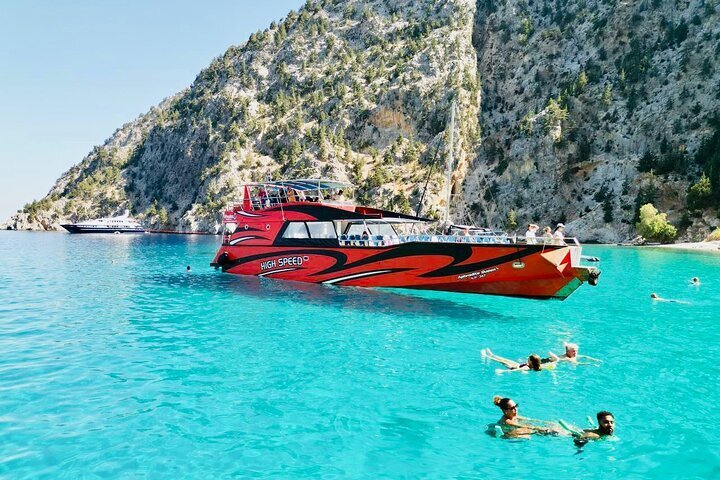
653	225
700	194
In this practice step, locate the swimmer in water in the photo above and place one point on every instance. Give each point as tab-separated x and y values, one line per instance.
571	354
187	269
656	298
695	281
534	362
521	426
606	428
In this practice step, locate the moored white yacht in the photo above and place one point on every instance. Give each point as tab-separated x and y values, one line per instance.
120	224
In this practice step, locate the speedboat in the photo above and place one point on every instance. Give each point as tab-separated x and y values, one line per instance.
120	224
308	230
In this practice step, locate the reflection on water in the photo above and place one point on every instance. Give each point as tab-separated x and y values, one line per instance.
327	295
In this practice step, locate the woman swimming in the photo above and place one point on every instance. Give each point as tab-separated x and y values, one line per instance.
520	426
534	362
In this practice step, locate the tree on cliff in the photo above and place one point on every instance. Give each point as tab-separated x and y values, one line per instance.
653	225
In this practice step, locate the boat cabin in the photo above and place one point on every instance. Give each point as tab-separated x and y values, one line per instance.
318	212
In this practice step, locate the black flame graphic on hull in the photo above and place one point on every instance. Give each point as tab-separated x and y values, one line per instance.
458	252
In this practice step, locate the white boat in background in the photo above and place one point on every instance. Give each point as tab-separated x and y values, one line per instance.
121	224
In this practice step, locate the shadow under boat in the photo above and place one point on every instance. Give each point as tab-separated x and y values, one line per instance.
355	298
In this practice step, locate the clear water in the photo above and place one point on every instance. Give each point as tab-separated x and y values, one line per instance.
116	362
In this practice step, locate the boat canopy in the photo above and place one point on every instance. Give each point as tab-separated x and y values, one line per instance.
306	184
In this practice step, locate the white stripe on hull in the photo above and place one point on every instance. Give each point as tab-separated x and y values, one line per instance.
276	271
357	275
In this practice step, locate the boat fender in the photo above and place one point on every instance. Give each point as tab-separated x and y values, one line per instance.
223	259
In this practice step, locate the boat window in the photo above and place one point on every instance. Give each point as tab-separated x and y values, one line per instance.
356	229
296	230
381	229
371	228
322	230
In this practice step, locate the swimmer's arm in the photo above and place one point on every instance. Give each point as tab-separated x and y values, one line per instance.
554	357
590	358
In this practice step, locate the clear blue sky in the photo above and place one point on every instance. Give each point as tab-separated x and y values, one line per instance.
71	72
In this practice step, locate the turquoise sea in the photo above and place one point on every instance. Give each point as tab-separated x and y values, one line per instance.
115	362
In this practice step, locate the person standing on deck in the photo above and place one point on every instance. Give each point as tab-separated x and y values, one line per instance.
559	235
530	234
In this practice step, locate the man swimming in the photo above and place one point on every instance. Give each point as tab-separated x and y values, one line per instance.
606	428
656	298
571	354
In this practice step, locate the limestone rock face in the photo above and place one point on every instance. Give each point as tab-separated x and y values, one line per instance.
565	111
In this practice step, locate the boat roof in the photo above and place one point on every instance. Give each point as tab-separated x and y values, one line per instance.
406	219
304	184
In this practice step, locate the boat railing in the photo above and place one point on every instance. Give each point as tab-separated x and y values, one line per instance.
388	240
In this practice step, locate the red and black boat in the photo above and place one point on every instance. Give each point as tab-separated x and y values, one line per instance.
305	230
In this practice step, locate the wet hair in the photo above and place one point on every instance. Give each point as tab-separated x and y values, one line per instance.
654	295
534	362
602	414
501	402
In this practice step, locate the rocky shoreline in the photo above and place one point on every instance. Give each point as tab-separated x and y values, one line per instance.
713	247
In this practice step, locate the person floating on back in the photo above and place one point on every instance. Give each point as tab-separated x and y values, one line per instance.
534	362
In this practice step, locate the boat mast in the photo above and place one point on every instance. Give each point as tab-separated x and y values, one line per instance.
450	164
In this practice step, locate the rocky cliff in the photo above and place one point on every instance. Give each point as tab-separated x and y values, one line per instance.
566	111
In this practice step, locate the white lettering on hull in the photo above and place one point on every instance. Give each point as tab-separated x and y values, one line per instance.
283	262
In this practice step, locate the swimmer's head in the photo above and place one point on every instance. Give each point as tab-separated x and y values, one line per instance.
507	405
654	296
533	362
571	350
695	280
606	422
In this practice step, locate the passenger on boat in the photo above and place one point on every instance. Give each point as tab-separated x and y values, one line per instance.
571	354
547	235
530	234
263	198
520	426
534	362
559	234
606	428
365	238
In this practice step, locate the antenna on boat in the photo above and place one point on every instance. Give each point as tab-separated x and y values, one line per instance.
427	180
450	163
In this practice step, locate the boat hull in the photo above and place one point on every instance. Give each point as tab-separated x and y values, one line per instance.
533	271
78	229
